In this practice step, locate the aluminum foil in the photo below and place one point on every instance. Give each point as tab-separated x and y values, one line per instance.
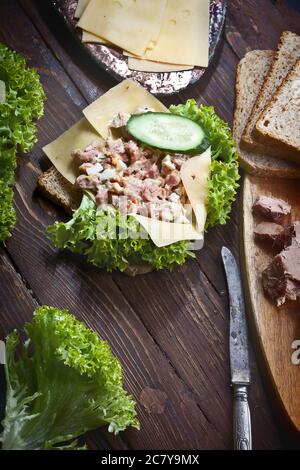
115	63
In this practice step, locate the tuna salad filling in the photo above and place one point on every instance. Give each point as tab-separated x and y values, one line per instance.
132	178
121	168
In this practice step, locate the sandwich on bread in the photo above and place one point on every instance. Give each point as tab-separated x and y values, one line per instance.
118	151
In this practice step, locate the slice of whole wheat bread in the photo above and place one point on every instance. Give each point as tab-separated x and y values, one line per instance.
279	124
251	73
288	51
56	188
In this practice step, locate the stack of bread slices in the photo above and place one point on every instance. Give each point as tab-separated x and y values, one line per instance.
267	112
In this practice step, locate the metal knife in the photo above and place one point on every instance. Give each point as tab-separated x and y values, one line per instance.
239	357
2	380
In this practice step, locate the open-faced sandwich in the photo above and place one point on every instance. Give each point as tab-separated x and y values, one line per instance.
148	181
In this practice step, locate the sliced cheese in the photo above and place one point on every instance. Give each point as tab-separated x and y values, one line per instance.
142	65
59	151
126	97
166	233
86	36
90	37
129	24
195	173
184	36
81	6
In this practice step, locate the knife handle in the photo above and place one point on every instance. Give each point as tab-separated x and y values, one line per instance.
242	439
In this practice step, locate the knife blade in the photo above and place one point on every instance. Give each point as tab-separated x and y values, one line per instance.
238	352
238	342
2	380
2	352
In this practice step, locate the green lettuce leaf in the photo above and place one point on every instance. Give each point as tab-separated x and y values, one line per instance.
101	237
80	234
63	382
224	178
23	103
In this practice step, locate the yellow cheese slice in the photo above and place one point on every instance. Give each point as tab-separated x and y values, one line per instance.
129	24
195	173
81	6
86	36
166	233
126	97
90	37
59	151
142	65
183	38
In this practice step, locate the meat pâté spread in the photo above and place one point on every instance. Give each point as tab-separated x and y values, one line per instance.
133	178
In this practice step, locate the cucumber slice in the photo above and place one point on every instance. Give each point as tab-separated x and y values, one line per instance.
166	131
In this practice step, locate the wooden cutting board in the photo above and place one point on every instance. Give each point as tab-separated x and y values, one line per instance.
276	328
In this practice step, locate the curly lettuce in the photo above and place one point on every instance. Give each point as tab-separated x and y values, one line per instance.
100	237
22	103
223	182
63	382
81	234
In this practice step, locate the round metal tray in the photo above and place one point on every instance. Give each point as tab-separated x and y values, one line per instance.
114	62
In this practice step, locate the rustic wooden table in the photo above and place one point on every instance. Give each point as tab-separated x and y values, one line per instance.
170	330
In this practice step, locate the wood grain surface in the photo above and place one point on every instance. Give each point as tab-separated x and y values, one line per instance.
169	330
276	328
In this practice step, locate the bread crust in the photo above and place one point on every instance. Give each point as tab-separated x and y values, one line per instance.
287	150
251	162
250	139
60	191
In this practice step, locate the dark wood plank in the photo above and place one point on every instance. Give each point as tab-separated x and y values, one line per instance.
16	301
220	84
90	293
188	322
257	25
84	73
171	330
